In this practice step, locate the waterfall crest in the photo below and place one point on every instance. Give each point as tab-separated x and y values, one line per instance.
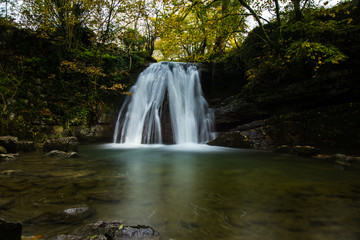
164	89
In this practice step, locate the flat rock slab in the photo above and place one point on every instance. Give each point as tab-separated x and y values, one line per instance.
61	154
9	156
65	144
112	230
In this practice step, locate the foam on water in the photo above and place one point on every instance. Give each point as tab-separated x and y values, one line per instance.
165	86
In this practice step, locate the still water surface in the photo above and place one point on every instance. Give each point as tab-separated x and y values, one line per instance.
186	192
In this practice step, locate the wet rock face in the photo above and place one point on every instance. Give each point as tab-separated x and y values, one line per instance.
65	144
298	150
112	230
2	150
327	127
257	135
8	157
10	143
10	230
61	154
236	112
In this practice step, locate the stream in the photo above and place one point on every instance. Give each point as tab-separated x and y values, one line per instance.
190	191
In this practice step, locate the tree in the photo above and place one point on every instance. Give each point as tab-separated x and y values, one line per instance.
58	18
200	29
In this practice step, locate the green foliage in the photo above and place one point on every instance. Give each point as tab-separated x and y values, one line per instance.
41	81
305	49
200	31
314	53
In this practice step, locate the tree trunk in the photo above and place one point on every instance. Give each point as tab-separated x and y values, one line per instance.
277	11
297	10
257	18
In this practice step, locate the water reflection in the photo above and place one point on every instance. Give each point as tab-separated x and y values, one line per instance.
197	193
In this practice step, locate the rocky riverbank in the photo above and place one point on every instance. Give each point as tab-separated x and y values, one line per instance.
54	152
101	230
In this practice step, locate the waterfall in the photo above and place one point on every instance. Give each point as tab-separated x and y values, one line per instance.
165	89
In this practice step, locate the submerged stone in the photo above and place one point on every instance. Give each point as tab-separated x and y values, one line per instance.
104	196
68	237
298	150
10	172
305	150
6	203
67	216
61	154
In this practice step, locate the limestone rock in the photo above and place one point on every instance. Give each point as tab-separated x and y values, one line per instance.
6	203
117	231
10	143
65	144
304	150
61	154
10	172
2	150
234	112
256	135
9	156
298	150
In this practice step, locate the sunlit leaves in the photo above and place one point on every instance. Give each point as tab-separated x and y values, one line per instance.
198	30
315	53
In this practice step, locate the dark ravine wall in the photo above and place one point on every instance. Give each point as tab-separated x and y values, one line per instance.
218	82
324	114
268	101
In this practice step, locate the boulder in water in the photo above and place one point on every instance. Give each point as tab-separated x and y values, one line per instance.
298	150
10	143
305	150
112	230
61	154
65	144
2	150
9	156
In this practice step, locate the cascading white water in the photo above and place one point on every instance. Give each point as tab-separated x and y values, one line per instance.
140	118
